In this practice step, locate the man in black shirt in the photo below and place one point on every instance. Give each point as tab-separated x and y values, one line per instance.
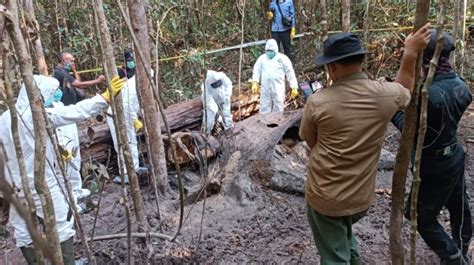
71	85
443	182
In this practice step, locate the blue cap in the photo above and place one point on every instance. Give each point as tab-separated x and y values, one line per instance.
340	46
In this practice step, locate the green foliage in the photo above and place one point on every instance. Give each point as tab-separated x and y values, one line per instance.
189	28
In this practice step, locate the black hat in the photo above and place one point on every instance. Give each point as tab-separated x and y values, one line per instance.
340	46
448	45
128	55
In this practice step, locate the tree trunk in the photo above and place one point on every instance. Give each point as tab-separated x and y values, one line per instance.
462	29
397	250
346	15
138	19
456	24
324	20
111	70
39	123
10	195
36	38
422	129
19	152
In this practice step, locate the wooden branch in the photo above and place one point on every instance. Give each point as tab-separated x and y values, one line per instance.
397	250
124	235
423	126
39	123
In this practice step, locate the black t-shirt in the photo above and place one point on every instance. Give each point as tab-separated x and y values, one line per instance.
65	82
125	71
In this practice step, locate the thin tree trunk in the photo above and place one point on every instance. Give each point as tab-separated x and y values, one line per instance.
21	161
456	24
422	129
6	86
38	46
39	123
138	20
10	195
346	15
324	20
163	116
463	36
397	250
111	70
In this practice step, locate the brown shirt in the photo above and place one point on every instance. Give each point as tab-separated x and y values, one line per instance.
348	121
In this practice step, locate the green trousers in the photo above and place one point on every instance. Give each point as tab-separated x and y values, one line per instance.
334	239
67	248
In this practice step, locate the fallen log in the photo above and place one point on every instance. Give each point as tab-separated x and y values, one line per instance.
96	141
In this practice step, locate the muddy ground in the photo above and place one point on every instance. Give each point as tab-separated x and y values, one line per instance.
272	228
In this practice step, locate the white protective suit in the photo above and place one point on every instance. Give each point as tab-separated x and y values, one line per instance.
131	108
218	100
271	73
68	138
59	116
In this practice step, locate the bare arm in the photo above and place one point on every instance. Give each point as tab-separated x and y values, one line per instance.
415	43
86	84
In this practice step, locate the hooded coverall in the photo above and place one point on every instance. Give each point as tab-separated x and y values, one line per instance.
217	99
59	116
271	73
130	111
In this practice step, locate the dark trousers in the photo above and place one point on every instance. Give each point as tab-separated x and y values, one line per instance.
283	38
443	184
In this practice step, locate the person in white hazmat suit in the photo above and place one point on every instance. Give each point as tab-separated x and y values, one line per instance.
270	71
217	100
58	116
131	107
68	139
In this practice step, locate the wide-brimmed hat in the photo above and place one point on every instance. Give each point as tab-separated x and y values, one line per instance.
340	46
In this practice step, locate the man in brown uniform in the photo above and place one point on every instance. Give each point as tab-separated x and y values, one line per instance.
344	125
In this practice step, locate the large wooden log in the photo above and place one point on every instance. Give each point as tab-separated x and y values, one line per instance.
96	140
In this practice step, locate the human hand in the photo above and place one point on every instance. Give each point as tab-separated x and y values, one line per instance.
116	85
101	78
294	93
255	88
66	155
269	15
292	33
138	125
417	41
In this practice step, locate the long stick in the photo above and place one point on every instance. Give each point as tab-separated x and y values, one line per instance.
423	125
124	235
241	53
403	155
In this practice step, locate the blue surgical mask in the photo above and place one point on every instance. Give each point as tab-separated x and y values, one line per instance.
48	102
67	66
270	54
58	95
130	64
